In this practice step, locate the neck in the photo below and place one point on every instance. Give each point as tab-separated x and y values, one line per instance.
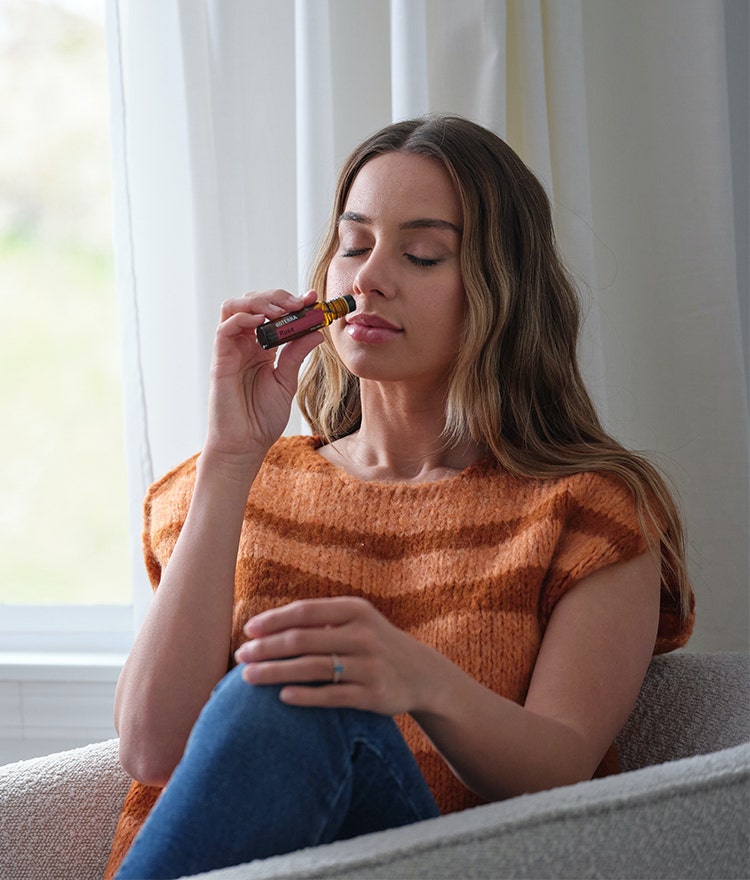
401	439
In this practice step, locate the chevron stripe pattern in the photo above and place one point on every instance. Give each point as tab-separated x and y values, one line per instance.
471	565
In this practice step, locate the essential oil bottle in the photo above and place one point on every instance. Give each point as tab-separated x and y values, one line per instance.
297	324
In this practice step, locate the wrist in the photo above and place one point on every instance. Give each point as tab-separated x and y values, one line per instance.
237	469
437	675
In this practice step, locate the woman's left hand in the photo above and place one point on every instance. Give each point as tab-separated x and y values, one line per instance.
297	645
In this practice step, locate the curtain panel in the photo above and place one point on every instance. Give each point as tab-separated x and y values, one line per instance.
230	119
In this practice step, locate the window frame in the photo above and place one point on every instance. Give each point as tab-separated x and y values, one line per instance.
76	635
66	629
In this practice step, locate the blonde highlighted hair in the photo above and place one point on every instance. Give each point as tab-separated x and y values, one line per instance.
516	388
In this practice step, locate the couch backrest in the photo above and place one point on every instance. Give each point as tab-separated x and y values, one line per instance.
690	704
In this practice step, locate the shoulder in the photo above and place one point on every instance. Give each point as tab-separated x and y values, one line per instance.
590	497
168	499
591	501
572	525
176	486
600	503
170	495
599	522
293	451
602	490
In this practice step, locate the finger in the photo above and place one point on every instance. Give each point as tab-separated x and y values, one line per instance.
332	611
312	668
332	696
271	304
299	642
291	358
280	302
239	323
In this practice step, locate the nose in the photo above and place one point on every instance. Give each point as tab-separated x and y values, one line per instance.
373	277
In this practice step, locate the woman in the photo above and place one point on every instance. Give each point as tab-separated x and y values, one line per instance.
460	547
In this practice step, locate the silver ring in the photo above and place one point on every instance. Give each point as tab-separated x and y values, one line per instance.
338	668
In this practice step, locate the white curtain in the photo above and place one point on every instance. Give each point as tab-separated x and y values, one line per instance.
231	117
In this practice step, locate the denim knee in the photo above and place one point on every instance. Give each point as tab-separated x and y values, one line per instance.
241	709
260	777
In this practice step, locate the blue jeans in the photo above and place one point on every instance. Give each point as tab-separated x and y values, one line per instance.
260	778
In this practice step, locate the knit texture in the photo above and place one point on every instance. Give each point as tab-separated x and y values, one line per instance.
473	565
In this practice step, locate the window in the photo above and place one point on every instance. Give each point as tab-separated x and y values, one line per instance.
63	506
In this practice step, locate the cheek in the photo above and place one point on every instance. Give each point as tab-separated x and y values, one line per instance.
449	313
338	279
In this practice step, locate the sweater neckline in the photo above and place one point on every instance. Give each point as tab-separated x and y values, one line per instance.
309	446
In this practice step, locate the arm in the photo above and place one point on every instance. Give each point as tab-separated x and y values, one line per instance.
594	656
183	648
590	667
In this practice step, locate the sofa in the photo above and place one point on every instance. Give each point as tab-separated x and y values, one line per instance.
680	808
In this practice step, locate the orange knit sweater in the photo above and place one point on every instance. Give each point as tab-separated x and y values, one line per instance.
471	565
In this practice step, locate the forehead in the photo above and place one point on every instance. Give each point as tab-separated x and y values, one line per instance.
402	186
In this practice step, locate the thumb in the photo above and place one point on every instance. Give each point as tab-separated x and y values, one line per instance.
291	357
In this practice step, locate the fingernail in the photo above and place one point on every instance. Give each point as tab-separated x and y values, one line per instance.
247	675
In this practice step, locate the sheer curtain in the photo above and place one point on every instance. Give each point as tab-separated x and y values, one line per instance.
230	119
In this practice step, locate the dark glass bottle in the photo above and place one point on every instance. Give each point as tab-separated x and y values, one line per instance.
297	324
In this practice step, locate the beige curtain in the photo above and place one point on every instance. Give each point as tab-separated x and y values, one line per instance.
230	119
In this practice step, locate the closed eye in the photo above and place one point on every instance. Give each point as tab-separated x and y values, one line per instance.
419	261
422	262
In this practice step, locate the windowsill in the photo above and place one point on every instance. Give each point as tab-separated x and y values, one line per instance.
51	701
59	666
74	635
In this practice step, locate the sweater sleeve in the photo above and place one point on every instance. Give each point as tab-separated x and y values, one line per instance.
165	509
601	527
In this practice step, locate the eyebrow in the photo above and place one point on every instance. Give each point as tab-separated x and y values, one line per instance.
419	223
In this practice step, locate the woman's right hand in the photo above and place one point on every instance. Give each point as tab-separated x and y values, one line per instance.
163	687
252	389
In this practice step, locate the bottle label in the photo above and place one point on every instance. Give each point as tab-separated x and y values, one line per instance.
299	322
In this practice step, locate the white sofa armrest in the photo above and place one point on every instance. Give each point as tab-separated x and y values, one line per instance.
685	819
58	814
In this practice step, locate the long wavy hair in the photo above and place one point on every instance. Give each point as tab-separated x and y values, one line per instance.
516	387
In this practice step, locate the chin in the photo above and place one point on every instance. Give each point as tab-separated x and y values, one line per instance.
365	369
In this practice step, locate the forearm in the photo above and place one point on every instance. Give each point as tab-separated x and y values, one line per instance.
183	648
497	748
586	678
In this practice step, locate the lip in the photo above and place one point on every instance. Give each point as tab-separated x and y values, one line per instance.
369	328
366	319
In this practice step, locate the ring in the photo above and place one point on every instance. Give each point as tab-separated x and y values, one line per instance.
338	668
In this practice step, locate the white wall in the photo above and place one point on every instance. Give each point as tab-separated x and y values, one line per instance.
58	670
737	29
53	704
